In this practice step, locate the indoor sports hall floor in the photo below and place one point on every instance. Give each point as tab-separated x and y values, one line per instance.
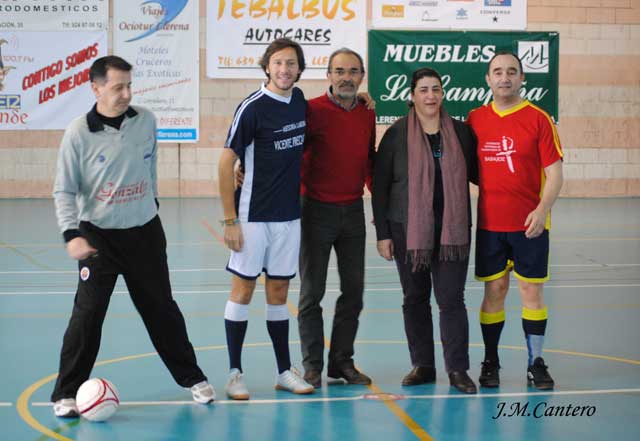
593	344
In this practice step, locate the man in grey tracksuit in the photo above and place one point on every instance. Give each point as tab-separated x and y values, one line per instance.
105	196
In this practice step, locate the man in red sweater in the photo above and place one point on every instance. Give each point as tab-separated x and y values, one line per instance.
337	163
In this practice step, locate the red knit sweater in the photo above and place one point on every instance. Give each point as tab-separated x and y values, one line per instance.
338	151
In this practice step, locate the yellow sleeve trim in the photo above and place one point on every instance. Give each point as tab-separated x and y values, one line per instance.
556	138
535	314
489	318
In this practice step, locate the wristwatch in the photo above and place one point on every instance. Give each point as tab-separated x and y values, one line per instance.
230	222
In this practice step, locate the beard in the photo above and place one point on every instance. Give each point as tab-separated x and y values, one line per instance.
346	91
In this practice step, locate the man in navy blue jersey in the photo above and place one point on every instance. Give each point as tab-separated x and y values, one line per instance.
262	218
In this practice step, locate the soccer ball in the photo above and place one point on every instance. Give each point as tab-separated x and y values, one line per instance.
97	399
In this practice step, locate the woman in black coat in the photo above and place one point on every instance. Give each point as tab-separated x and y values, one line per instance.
422	214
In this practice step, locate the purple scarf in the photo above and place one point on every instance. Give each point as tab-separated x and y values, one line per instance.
454	240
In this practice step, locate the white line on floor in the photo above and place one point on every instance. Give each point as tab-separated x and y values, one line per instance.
368	397
385	267
295	288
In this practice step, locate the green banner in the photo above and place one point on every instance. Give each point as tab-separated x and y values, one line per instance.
461	59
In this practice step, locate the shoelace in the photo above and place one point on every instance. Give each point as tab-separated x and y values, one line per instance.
542	369
203	391
490	365
295	372
236	378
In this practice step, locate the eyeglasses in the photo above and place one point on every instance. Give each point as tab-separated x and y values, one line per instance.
342	72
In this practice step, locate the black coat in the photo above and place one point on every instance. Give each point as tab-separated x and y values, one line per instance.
390	198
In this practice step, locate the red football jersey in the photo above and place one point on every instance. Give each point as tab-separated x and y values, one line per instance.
514	147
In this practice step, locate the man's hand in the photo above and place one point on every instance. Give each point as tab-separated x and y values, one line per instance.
79	249
233	237
535	222
238	177
385	248
537	219
368	101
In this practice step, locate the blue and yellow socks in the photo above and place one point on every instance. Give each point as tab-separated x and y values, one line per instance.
534	324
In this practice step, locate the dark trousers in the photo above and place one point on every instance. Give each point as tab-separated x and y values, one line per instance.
448	280
139	254
326	226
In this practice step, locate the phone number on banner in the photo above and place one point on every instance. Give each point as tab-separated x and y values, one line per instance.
85	25
225	62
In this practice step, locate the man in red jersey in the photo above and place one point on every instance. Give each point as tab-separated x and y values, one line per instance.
520	175
337	162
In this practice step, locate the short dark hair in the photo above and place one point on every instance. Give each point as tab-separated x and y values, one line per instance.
497	54
276	46
99	68
347	51
423	72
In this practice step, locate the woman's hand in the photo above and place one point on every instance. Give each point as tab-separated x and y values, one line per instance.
385	248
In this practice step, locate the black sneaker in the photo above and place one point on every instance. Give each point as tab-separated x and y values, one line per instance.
538	374
489	376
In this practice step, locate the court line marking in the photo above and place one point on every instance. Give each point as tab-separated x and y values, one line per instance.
256	313
29	258
385	267
6	404
404	417
363	398
206	243
216	402
392	406
22	404
226	291
60	245
526	394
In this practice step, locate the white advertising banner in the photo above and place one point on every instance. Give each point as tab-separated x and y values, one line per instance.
238	33
54	15
450	14
44	77
160	40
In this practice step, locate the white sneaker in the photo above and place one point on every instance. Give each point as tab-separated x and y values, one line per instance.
292	381
203	392
66	408
235	388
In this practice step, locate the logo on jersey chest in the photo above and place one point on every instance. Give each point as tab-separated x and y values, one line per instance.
500	151
289	143
292	141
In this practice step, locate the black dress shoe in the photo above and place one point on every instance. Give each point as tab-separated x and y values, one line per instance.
349	373
419	375
461	381
313	377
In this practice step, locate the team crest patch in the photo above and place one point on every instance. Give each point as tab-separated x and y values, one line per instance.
85	273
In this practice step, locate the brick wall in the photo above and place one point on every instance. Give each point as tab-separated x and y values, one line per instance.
599	111
599	92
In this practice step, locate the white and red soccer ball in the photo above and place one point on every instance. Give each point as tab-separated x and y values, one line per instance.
97	399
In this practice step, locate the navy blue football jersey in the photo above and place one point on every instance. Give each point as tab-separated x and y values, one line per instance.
267	134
